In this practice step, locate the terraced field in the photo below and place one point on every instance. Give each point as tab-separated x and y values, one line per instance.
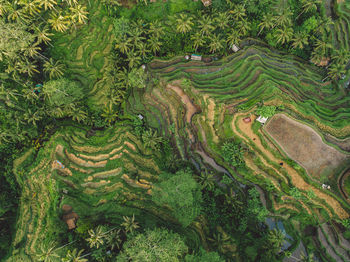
206	103
87	52
107	176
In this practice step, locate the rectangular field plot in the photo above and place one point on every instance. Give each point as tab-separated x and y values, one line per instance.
305	146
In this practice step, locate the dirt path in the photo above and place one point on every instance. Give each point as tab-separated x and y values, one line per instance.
297	180
211	116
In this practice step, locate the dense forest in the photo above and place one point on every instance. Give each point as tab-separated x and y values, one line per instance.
91	67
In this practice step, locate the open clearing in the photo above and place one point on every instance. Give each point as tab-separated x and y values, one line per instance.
304	145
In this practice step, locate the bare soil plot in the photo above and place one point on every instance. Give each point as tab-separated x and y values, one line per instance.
304	145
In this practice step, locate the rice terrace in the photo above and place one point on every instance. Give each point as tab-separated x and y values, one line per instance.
196	131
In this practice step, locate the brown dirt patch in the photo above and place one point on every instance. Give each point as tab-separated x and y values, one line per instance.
95	184
297	180
211	116
304	145
95	158
84	163
109	173
190	108
134	183
129	145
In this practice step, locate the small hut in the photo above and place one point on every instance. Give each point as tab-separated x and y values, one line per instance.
262	119
235	48
206	2
196	57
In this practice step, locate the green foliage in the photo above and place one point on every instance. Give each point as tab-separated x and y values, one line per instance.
137	78
204	256
266	111
181	193
346	223
233	154
153	245
294	192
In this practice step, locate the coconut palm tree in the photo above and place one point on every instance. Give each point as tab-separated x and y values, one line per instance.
58	22
42	35
336	71
309	6
55	69
184	23
123	44
322	46
96	237
142	48
27	67
71	2
113	239
78	114
135	35
341	56
130	224
79	14
74	256
15	13
300	40
275	240
205	25
268	21
154	44
243	27
325	25
216	43
156	28
284	35
316	57
238	12
32	50
220	241
151	139
206	180
4	7
31	8
47	253
109	114
197	40
48	4
283	19
233	38
32	117
222	20
133	58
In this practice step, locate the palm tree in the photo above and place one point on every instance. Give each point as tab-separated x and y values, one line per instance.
197	40
216	43
130	224
205	25
95	238
322	46
4	7
284	35
42	35
220	241
78	114
325	25
156	28
243	27
47	253
48	4
316	57
283	19
341	56
151	139
32	50
58	22
221	20
135	35
233	38
238	12
206	180
309	6
79	14
71	2
123	44
267	22
336	71
74	256
15	13
113	239
275	239
300	40
27	67
154	44
133	58
232	200
54	69
109	114
142	48
184	23
32	117
31	7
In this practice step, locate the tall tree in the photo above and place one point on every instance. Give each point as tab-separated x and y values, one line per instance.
300	40
336	71
268	21
74	256
47	253
205	24
55	69
238	12
96	237
79	14
154	245
47	4
129	224
184	23
197	40
284	35
151	139
216	43
59	22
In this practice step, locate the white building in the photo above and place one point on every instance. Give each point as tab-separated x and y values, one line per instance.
262	119
234	48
